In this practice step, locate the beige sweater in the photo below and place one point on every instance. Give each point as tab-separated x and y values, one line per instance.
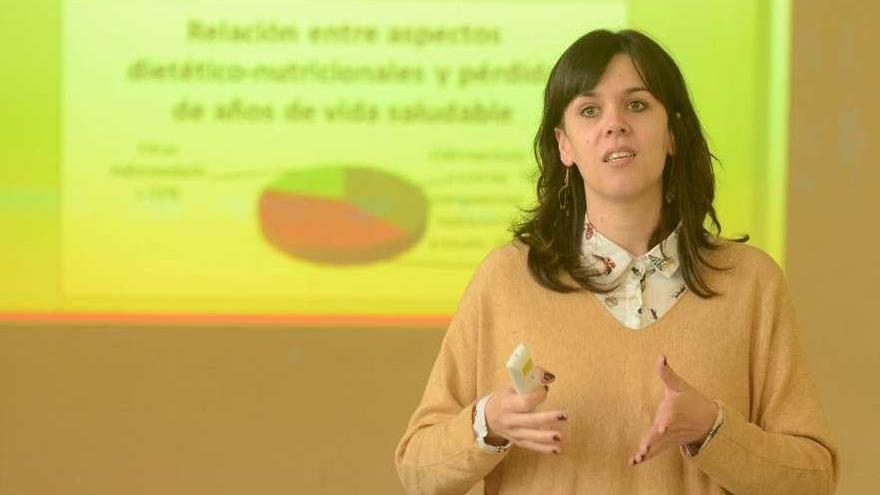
742	348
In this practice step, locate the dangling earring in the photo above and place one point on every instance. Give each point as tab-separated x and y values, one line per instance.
670	190
565	191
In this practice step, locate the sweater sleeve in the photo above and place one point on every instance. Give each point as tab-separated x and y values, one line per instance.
438	453
784	445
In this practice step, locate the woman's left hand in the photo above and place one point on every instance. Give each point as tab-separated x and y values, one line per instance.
684	416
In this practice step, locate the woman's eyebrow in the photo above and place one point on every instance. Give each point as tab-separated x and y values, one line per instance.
627	91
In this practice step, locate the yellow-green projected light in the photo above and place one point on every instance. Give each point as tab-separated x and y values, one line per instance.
326	161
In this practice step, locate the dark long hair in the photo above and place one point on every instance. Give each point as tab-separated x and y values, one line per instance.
554	235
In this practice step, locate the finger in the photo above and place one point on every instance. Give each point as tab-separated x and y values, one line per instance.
648	440
530	401
540	447
669	377
661	444
656	440
543	375
547	437
544	420
546	377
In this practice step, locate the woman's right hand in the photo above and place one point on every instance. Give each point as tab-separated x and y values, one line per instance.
512	417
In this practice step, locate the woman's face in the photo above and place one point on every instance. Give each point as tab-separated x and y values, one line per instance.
618	136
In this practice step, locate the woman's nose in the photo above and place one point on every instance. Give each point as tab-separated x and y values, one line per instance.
615	122
616	128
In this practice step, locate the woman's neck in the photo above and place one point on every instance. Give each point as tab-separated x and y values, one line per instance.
630	225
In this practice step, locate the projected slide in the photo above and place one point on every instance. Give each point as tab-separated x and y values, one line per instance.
325	161
339	158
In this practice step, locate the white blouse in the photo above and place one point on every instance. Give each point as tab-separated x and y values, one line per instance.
647	286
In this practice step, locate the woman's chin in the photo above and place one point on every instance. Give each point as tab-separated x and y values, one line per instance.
627	192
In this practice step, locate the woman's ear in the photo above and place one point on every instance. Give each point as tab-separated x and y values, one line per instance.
564	147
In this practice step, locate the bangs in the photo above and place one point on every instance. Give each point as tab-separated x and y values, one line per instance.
579	70
582	65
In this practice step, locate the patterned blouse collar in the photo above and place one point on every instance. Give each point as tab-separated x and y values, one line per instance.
613	260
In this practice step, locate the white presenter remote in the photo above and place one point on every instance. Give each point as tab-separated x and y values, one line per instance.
522	370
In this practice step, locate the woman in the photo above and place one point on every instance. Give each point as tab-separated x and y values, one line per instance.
678	363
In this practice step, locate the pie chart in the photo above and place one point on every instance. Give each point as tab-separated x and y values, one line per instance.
342	214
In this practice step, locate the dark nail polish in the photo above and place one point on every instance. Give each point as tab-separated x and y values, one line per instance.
556	438
546	388
549	377
562	417
555	452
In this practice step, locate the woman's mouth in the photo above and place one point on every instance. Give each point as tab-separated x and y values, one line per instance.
619	157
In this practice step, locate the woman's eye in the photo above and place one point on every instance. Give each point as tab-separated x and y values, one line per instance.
637	106
590	111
